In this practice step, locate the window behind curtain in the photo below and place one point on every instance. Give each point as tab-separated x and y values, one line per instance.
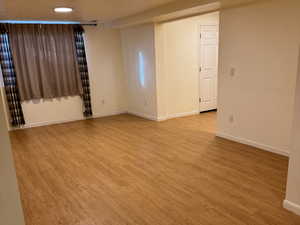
45	60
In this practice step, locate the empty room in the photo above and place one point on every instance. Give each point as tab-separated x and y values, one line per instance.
157	112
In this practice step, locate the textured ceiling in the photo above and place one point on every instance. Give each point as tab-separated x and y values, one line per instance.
101	10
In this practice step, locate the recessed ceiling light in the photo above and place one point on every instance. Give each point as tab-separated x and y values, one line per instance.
63	9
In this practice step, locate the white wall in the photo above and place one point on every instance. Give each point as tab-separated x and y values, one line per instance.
261	42
10	206
178	49
139	62
104	56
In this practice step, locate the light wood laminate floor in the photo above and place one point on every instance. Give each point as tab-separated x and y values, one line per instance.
124	170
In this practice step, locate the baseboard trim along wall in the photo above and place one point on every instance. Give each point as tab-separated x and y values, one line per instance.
253	144
178	115
143	115
99	115
47	123
291	207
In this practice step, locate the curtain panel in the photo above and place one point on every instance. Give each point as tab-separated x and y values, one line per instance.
83	69
10	81
45	60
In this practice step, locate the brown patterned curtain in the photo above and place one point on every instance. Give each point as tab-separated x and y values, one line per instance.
83	69
10	80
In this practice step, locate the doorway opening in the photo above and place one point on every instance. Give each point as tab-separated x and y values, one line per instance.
187	60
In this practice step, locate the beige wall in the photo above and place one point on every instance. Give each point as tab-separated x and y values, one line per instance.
177	50
10	206
292	201
139	63
104	56
260	42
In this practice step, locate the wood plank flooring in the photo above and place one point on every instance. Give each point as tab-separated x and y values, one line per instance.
124	170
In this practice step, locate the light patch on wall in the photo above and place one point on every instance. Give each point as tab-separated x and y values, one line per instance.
141	69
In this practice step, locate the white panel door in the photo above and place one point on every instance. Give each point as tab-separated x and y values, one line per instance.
209	48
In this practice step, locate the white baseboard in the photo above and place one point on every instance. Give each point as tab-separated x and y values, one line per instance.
291	207
253	144
155	118
178	115
143	115
99	115
47	123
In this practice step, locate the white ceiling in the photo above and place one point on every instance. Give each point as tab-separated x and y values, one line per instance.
179	9
101	10
117	13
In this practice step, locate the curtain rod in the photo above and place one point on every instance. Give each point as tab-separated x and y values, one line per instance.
48	22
